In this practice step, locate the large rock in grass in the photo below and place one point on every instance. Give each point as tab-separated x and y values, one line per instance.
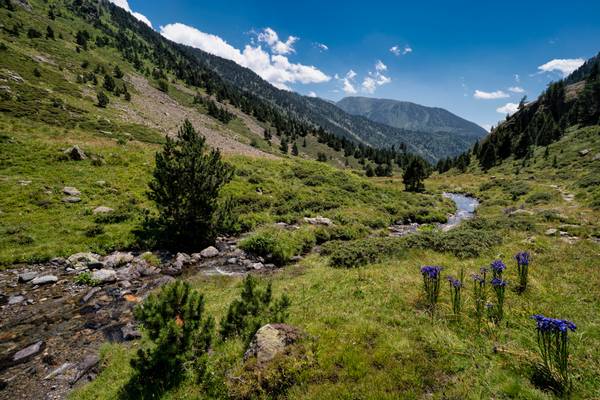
209	252
75	153
318	221
271	340
71	191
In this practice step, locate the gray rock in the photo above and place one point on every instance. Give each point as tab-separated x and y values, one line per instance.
88	362
196	257
584	152
102	210
71	191
28	352
296	258
596	157
318	221
105	275
232	260
58	371
24	183
45	279
75	153
89	294
209	252
257	266
12	300
84	260
27	276
130	333
551	232
271	340
117	259
71	199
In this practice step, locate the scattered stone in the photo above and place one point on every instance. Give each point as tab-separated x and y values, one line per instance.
551	232
28	352
117	259
24	183
12	300
318	221
45	279
100	183
84	260
105	275
130	333
71	199
584	152
232	260
75	153
27	276
182	259
88	362
209	252
296	258
270	340
257	266
596	157
102	210
71	191
89	295
58	371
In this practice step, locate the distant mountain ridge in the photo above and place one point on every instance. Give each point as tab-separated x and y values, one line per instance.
411	116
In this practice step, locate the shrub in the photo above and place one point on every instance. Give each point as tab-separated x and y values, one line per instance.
279	244
185	187
539	197
102	100
355	253
255	308
85	278
180	333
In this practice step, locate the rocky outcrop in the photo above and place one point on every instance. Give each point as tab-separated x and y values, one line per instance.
75	153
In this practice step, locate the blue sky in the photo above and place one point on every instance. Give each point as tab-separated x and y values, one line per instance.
474	58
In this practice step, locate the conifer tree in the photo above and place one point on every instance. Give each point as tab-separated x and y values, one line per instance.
414	175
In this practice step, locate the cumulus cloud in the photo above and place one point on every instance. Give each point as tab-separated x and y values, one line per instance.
508	108
311	94
125	5
498	94
564	66
271	38
348	82
516	89
375	79
274	68
397	50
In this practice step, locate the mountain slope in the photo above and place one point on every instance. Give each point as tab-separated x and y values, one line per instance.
407	115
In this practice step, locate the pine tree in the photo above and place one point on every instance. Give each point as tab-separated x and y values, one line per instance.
117	72
102	99
294	149
283	146
109	83
414	175
49	32
185	187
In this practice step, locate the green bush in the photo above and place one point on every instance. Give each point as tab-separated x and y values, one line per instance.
356	253
255	308
85	278
180	334
280	244
539	198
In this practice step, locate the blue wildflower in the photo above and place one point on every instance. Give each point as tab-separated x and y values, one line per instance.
496	282
498	267
522	258
431	271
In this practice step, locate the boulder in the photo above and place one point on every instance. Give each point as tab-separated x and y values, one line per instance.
102	210
232	260
27	276
318	221
551	232
584	152
71	191
257	266
12	300
271	340
45	279
209	252
117	259
28	352
84	260
75	153
71	199
105	275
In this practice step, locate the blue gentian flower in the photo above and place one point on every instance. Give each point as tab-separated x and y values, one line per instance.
522	258
498	282
498	266
431	271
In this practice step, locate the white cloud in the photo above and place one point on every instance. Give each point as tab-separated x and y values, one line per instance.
517	78
348	82
508	108
375	79
396	50
498	94
564	66
516	89
276	69
379	66
311	94
322	46
125	5
270	37
487	127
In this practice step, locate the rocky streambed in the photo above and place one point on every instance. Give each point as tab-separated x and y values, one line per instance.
52	326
